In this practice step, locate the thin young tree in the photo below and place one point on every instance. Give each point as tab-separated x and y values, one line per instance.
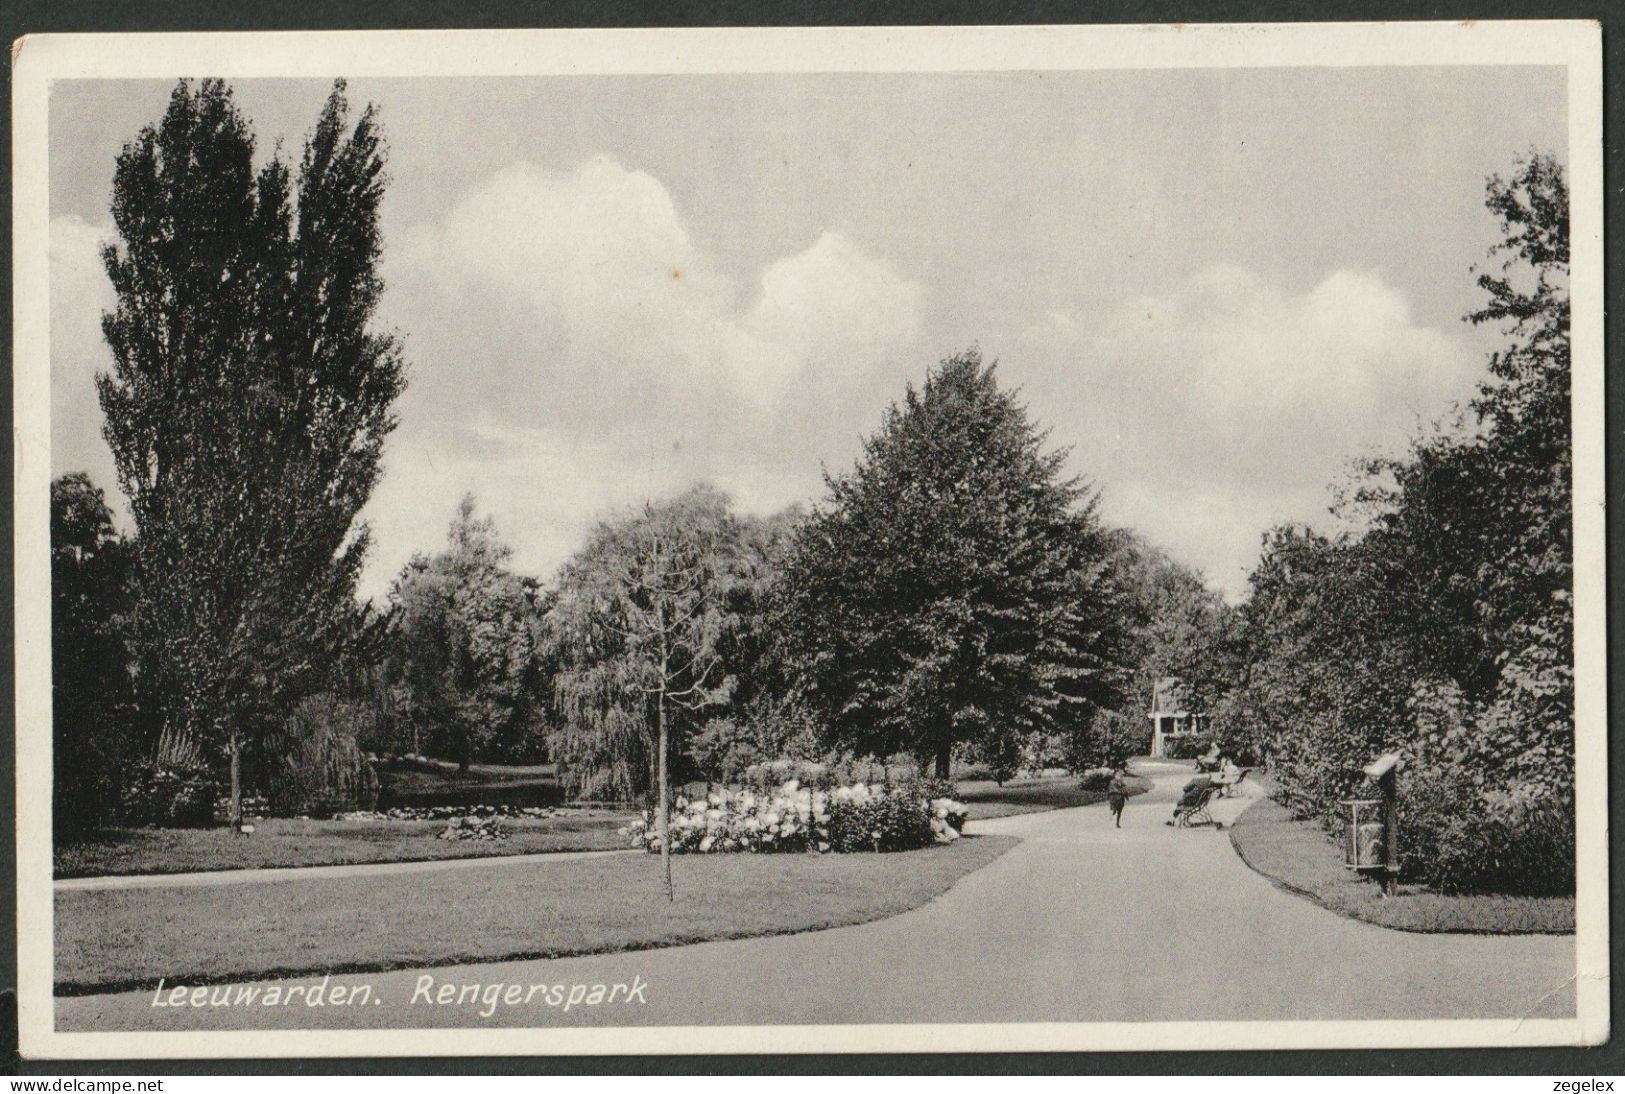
246	409
639	627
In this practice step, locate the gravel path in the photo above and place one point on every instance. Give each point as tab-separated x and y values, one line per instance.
1080	922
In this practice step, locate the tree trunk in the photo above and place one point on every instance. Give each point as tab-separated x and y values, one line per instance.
665	798
944	758
236	813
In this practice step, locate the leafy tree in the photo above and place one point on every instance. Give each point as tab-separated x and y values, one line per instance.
246	409
761	719
640	625
1445	626
1480	514
91	695
954	587
1182	628
1329	675
466	638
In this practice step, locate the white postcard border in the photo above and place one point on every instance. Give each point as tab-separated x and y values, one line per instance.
38	60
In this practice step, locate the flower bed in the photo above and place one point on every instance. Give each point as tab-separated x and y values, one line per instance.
452	812
859	817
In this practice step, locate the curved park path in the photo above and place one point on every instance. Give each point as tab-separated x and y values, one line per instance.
1079	922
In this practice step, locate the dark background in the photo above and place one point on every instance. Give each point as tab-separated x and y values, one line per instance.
41	16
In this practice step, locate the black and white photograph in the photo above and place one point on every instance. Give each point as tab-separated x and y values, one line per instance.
1042	538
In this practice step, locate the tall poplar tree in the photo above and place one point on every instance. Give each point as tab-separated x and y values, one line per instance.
955	586
246	409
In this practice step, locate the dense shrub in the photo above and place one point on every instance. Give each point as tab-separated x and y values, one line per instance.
1440	623
723	750
1098	778
1463	838
161	797
1187	748
889	821
313	765
1478	813
93	715
793	817
766	777
1114	737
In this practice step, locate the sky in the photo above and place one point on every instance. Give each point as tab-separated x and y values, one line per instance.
1214	287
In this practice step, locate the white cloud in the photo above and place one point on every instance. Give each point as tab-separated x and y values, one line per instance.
571	349
574	349
1228	404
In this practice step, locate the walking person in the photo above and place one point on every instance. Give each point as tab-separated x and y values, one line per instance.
1117	793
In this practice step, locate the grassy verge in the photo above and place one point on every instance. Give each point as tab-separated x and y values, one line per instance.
986	800
437	782
109	940
290	842
1297	856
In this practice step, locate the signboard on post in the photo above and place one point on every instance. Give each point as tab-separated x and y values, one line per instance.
1384	771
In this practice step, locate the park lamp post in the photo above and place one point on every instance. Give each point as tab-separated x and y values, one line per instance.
1371	825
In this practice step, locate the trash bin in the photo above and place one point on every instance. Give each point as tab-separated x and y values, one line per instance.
1364	834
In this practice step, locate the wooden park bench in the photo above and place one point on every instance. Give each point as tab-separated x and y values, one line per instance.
1192	809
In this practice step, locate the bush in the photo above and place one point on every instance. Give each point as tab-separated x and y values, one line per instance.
163	797
314	766
768	776
1118	736
793	817
1097	778
723	750
85	778
94	730
1187	748
1005	769
1463	838
889	821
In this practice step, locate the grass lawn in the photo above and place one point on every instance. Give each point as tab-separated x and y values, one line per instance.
986	800
114	939
289	842
1297	856
438	782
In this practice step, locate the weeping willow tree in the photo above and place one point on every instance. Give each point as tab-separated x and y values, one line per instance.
638	631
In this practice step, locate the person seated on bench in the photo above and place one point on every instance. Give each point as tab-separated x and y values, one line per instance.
1229	776
1209	761
1191	795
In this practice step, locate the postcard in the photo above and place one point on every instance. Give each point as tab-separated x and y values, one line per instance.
810	540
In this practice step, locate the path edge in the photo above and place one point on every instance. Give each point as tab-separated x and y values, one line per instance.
1314	898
